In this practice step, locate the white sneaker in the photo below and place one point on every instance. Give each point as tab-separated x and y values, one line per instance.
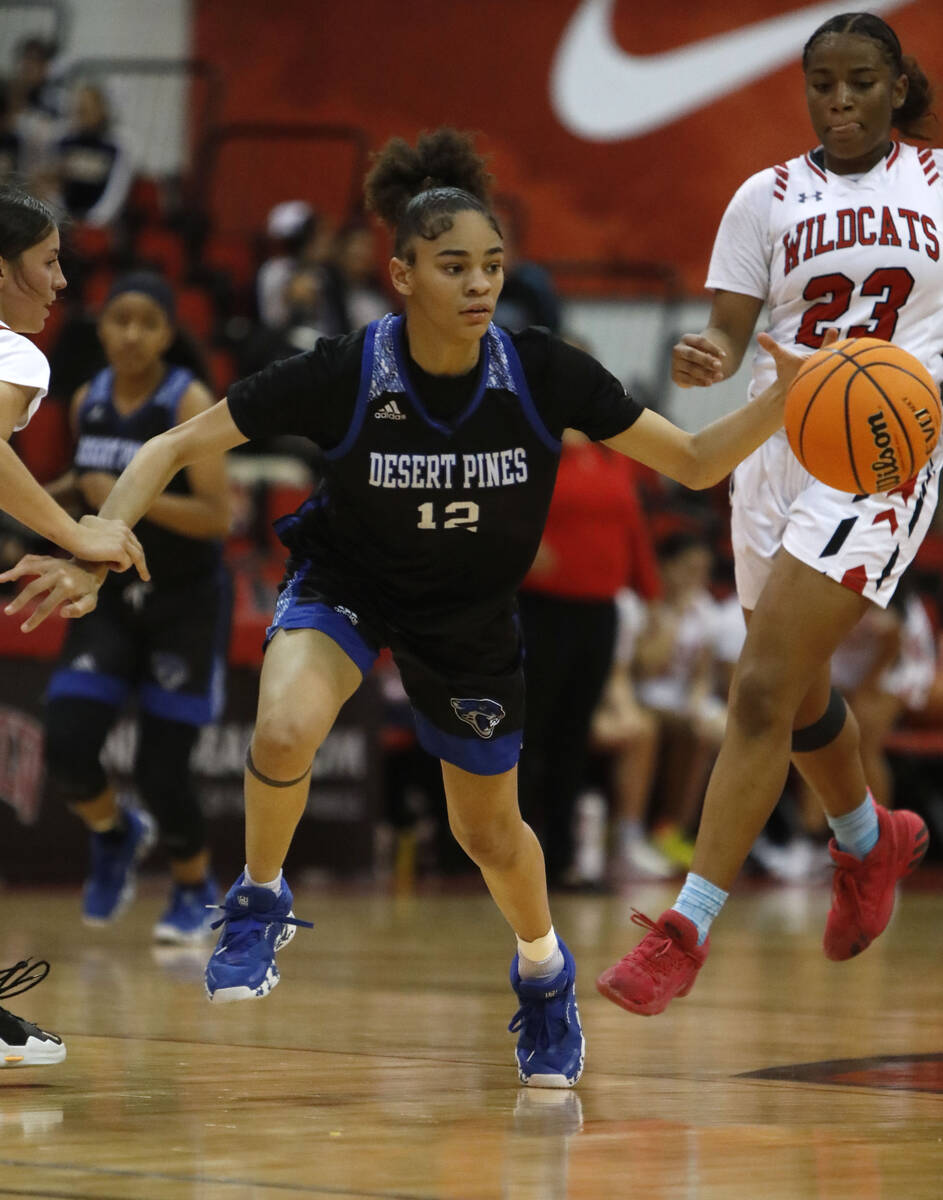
641	860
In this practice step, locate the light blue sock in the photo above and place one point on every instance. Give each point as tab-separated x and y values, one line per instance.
857	832
700	902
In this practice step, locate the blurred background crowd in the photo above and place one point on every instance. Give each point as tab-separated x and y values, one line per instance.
630	615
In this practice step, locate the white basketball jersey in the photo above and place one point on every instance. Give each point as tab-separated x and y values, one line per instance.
861	254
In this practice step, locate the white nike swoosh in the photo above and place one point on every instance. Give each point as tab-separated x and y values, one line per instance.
601	93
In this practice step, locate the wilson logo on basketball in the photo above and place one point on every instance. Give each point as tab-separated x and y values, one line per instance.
924	419
886	467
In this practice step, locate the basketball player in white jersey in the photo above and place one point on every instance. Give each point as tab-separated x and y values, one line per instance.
846	237
30	279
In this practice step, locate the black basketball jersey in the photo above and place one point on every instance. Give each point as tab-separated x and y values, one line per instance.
427	515
108	440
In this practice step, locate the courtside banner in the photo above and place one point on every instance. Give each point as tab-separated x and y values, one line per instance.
622	127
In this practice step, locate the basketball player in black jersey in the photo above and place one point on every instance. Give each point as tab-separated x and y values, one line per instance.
163	641
440	436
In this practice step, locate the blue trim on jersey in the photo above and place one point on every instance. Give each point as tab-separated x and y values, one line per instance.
167	395
480	756
90	685
283	524
313	614
399	349
523	391
363	396
189	708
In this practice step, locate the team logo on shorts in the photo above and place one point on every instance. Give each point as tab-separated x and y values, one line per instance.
481	715
170	670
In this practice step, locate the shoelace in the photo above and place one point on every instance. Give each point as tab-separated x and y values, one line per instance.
656	958
22	976
236	912
845	886
537	1020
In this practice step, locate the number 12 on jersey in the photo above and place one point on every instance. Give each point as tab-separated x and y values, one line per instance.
460	514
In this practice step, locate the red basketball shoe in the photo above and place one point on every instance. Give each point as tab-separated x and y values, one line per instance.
663	965
863	889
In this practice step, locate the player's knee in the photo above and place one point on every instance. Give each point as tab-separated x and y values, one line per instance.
757	706
489	845
73	771
282	748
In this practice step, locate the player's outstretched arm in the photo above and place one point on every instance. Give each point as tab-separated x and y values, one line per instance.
74	586
158	461
29	503
699	460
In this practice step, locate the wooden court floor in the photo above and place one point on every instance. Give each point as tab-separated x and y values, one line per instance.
381	1067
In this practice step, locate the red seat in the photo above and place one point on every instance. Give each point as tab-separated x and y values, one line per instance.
195	311
90	243
222	370
233	255
96	287
145	201
164	250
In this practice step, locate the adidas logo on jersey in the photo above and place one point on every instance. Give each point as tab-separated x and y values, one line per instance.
390	412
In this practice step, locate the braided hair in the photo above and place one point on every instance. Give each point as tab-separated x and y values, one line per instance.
911	117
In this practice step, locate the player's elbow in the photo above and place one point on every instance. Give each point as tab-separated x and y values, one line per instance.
695	470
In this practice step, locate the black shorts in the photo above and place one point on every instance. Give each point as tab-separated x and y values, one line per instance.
463	672
168	644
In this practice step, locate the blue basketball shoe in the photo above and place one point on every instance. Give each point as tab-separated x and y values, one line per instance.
256	924
188	917
112	880
550	1045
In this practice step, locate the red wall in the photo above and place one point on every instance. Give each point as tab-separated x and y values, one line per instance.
398	67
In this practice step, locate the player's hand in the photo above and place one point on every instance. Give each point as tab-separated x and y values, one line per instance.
58	582
110	542
696	361
786	360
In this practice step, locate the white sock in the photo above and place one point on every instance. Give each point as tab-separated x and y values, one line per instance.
541	958
274	885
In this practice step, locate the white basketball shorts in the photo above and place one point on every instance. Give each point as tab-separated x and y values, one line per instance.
862	542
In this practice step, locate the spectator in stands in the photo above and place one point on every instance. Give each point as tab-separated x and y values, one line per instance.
164	641
33	101
529	296
886	667
677	672
594	543
307	321
90	165
353	289
296	236
13	152
627	734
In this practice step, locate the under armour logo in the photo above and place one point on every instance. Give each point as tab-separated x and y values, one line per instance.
803	196
481	715
390	412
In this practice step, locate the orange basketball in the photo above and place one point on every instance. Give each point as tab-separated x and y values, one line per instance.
863	415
